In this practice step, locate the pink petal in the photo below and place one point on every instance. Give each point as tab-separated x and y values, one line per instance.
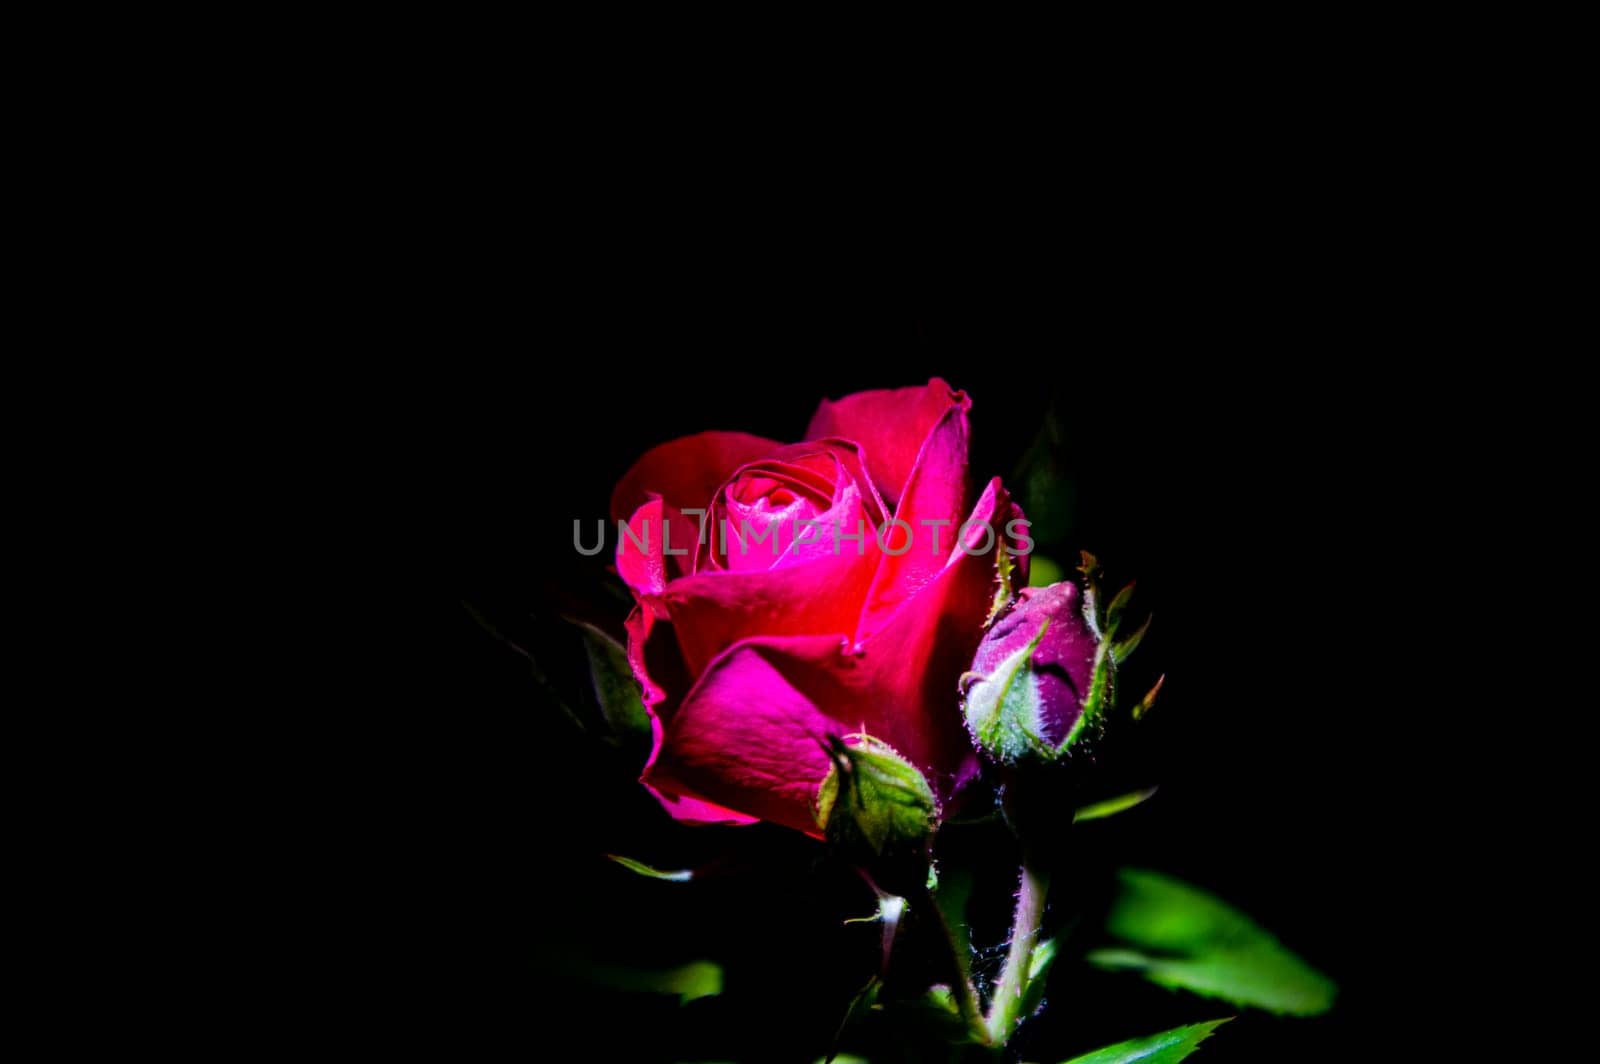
643	570
686	472
641	625
690	810
809	590
826	479
1023	562
642	558
890	426
771	498
936	491
747	739
749	735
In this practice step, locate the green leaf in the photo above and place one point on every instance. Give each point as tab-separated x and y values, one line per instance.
951	896
1044	956
864	999
872	794
936	1013
682	875
1184	938
614	685
1044	571
691	981
1114	611
1112	806
1168	1047
1121	650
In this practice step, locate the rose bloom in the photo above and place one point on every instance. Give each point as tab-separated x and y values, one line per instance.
759	640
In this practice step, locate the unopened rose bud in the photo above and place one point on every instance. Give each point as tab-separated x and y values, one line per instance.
878	811
1038	680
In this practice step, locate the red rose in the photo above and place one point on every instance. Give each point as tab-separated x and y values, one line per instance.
778	628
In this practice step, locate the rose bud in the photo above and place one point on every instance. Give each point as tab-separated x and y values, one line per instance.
1039	678
877	811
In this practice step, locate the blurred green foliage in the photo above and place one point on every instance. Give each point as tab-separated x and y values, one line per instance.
1182	937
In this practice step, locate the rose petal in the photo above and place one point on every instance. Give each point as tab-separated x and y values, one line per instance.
936	492
747	738
890	426
921	650
848	455
1023	562
644	570
809	590
641	624
686	472
659	546
696	811
654	660
749	735
757	515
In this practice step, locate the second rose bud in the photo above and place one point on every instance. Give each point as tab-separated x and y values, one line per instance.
1038	679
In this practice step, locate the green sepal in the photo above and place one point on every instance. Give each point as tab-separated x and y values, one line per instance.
1090	568
1148	700
1002	709
874	797
1101	692
1114	611
1005	570
1120	650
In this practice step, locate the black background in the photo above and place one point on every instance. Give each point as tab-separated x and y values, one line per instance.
1206	440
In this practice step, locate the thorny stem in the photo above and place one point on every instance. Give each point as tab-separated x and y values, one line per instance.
966	996
1006	1005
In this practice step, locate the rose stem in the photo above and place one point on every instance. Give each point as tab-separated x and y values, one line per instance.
1008	992
966	997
